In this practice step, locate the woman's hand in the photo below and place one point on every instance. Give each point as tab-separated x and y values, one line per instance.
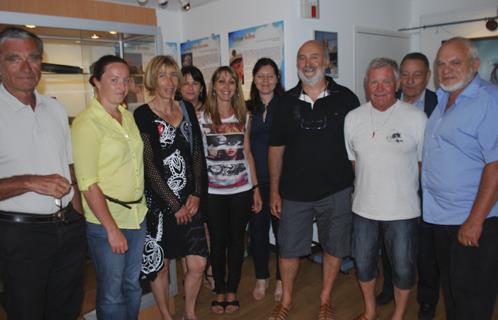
257	202
182	216
117	241
192	205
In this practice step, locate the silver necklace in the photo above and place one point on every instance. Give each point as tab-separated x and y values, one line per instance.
374	128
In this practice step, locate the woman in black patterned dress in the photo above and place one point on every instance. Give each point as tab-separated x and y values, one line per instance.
174	166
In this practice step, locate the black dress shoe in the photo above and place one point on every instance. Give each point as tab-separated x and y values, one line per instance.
426	312
383	298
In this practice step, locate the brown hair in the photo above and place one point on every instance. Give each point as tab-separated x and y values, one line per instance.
238	103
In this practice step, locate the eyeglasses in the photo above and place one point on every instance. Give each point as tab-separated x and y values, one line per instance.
58	203
314	125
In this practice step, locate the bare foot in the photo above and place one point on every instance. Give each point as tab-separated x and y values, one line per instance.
259	291
278	291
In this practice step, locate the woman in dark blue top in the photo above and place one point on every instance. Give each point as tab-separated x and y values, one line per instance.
265	89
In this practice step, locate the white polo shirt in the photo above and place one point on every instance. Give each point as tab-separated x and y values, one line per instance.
386	147
33	142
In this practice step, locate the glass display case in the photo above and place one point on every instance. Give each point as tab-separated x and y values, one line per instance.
69	54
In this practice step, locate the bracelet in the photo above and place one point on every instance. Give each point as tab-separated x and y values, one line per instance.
255	186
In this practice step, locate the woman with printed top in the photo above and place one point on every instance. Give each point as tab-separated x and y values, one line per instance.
108	161
233	186
174	166
265	90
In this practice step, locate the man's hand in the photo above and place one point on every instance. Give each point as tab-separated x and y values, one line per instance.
182	216
117	241
192	205
469	233
275	204
53	185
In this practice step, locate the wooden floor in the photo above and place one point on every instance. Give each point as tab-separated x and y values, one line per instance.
346	298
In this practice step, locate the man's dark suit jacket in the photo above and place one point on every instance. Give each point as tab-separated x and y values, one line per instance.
430	101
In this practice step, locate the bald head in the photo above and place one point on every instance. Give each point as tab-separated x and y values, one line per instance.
312	61
457	63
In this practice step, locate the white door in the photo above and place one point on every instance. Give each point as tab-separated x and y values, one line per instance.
372	43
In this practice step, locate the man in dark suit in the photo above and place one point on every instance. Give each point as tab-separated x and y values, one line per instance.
414	76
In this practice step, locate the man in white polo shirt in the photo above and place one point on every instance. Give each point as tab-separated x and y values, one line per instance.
42	237
384	139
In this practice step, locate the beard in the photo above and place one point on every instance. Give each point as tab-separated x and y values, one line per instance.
459	85
320	75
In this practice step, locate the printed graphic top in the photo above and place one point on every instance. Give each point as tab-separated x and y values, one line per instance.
228	171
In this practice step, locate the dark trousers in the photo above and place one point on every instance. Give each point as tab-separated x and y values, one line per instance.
469	275
227	218
259	227
42	265
428	272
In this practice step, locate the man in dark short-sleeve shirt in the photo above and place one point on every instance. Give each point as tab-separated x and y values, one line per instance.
310	174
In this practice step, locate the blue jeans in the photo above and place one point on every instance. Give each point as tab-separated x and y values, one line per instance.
400	240
118	287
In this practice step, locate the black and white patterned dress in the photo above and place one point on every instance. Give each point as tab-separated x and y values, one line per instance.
173	164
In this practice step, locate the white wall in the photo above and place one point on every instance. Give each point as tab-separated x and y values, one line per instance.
426	12
170	26
224	16
342	16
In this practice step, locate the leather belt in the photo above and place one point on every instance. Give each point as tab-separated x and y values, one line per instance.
125	204
66	215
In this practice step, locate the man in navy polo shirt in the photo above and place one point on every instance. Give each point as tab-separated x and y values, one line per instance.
460	182
310	175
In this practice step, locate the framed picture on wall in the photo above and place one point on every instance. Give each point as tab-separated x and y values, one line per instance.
329	39
488	52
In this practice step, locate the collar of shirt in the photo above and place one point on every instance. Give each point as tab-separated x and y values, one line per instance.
98	109
13	102
420	103
304	97
471	91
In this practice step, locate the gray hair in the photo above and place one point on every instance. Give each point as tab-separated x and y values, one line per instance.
325	49
471	47
18	33
382	62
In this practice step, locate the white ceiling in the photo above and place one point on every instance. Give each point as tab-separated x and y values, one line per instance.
173	5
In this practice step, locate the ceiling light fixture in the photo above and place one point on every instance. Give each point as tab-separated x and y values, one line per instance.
94	36
30	26
185	5
113	32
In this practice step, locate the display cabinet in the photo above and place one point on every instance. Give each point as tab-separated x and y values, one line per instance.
69	53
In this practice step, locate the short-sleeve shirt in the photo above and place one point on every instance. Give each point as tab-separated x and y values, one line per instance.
386	147
458	144
227	167
315	163
33	142
110	155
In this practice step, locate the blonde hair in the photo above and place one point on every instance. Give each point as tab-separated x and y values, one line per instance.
238	103
153	68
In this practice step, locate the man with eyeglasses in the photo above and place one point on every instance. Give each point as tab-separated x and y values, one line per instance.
310	174
384	139
42	237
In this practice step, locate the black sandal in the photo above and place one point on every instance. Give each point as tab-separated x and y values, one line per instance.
216	303
233	303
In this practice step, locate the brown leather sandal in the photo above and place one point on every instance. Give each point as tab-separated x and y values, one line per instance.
364	317
279	313
326	312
